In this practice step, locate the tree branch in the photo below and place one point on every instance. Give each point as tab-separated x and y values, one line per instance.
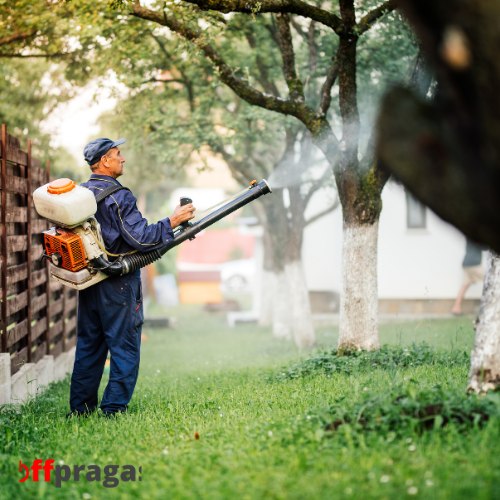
299	29
166	53
316	185
16	36
268	85
295	87
238	171
251	95
326	89
366	22
273	32
309	39
27	56
167	80
297	7
185	81
172	80
318	216
313	48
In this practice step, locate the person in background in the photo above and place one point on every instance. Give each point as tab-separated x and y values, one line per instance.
473	272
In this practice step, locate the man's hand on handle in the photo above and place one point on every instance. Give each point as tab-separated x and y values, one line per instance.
182	214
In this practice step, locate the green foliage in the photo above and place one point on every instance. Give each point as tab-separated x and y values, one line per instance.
36	27
406	408
149	170
174	120
175	104
29	91
388	357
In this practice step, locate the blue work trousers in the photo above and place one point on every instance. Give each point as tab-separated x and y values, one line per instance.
110	317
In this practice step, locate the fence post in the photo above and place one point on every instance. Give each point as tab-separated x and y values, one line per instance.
4	238
28	226
47	284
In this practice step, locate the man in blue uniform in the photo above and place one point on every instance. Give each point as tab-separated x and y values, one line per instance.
110	314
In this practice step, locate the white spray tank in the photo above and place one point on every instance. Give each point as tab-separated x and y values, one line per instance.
76	238
65	203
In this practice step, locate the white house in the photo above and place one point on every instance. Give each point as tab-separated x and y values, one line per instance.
419	256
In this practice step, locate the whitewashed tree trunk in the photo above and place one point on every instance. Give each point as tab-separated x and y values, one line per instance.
281	308
359	297
302	325
485	360
267	293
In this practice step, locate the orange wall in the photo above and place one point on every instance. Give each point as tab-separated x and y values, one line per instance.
202	292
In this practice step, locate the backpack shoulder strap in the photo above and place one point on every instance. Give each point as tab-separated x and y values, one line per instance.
108	191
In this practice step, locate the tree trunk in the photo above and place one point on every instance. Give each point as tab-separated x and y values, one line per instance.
485	361
275	241
359	297
359	192
267	293
302	325
267	283
281	308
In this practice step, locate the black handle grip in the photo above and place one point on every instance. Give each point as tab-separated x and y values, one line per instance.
185	201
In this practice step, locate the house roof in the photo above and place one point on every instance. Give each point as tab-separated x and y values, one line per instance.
198	276
217	246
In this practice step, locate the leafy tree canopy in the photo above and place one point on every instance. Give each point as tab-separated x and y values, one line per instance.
176	102
30	90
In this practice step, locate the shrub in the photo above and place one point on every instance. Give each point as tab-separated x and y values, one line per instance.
406	409
388	357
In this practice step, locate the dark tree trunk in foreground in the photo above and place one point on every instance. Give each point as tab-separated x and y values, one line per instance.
447	152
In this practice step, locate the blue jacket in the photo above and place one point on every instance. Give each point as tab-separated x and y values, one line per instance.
122	225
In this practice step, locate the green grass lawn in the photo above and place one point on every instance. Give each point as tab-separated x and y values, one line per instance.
259	437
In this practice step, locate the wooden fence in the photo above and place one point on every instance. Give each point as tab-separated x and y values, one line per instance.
38	316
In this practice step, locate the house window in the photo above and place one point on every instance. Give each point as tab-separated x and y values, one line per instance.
415	212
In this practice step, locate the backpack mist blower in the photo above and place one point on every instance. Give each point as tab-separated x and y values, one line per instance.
75	247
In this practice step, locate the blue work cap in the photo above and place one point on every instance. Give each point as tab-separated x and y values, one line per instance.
97	148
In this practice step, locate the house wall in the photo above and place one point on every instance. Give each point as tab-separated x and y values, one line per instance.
412	263
418	263
322	245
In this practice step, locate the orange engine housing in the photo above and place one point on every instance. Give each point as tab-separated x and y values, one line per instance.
68	244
